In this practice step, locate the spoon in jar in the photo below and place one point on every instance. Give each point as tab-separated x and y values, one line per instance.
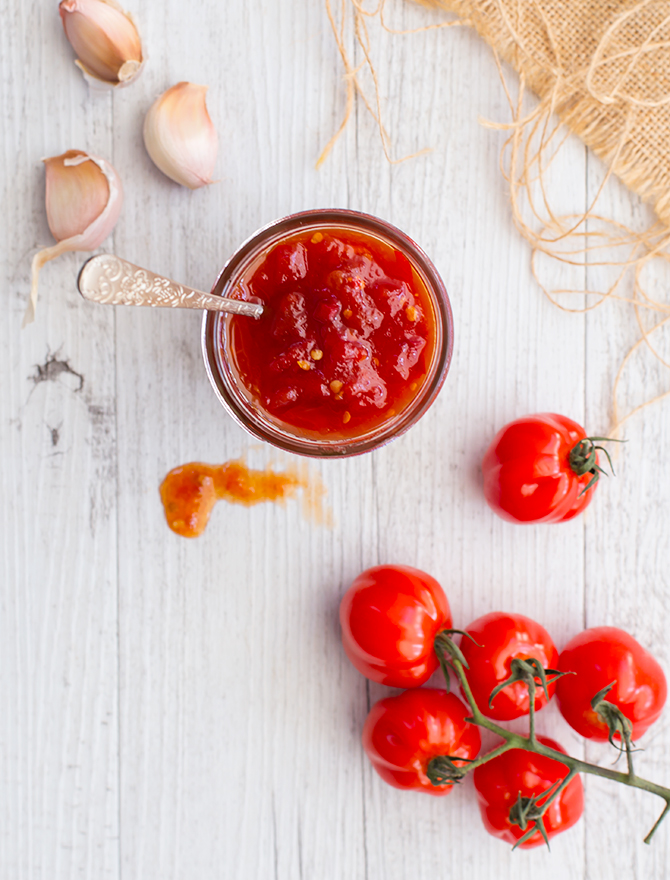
108	279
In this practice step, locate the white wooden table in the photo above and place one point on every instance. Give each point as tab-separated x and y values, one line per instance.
175	710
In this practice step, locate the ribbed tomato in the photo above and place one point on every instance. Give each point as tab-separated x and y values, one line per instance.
520	774
538	469
500	638
403	734
390	616
598	657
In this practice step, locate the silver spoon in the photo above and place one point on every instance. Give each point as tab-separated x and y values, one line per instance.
109	279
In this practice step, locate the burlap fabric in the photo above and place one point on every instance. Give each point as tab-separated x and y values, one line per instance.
603	66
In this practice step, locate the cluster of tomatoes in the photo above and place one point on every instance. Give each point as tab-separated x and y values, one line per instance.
391	617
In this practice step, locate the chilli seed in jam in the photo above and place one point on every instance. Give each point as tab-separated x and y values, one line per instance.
346	337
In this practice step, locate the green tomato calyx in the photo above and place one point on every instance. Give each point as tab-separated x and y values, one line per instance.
584	459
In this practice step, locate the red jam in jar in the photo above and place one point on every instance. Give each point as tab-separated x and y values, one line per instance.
354	342
346	336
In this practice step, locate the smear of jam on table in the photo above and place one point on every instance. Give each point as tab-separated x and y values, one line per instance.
190	492
346	337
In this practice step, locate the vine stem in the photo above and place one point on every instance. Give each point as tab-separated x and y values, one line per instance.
658	822
629	760
564	784
531	710
531	744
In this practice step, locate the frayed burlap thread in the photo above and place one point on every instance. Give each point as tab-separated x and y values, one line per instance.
601	69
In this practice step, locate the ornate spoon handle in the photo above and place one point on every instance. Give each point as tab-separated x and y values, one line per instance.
109	279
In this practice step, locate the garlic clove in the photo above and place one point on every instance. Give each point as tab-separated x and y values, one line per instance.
180	136
105	39
84	196
73	200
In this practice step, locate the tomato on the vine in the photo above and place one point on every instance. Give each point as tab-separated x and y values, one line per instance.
505	781
403	734
541	468
390	616
598	657
497	639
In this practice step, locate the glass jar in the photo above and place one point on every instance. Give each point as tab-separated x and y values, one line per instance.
246	407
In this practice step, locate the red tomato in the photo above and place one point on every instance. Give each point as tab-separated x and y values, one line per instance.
390	616
600	656
501	780
402	734
504	637
536	470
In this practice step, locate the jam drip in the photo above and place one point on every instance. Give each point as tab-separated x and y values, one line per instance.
190	492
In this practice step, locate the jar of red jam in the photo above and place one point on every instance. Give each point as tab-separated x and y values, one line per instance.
355	338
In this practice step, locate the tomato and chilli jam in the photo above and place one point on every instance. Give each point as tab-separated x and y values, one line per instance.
347	335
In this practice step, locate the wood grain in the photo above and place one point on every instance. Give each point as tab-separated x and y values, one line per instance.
182	710
58	673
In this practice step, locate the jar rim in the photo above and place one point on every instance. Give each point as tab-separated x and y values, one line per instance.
252	417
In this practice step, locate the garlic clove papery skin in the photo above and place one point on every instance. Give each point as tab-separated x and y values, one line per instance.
74	199
180	137
105	39
84	197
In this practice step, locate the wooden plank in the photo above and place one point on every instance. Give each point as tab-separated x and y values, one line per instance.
509	361
228	738
627	545
59	794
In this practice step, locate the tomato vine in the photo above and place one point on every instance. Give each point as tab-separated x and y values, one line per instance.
528	813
